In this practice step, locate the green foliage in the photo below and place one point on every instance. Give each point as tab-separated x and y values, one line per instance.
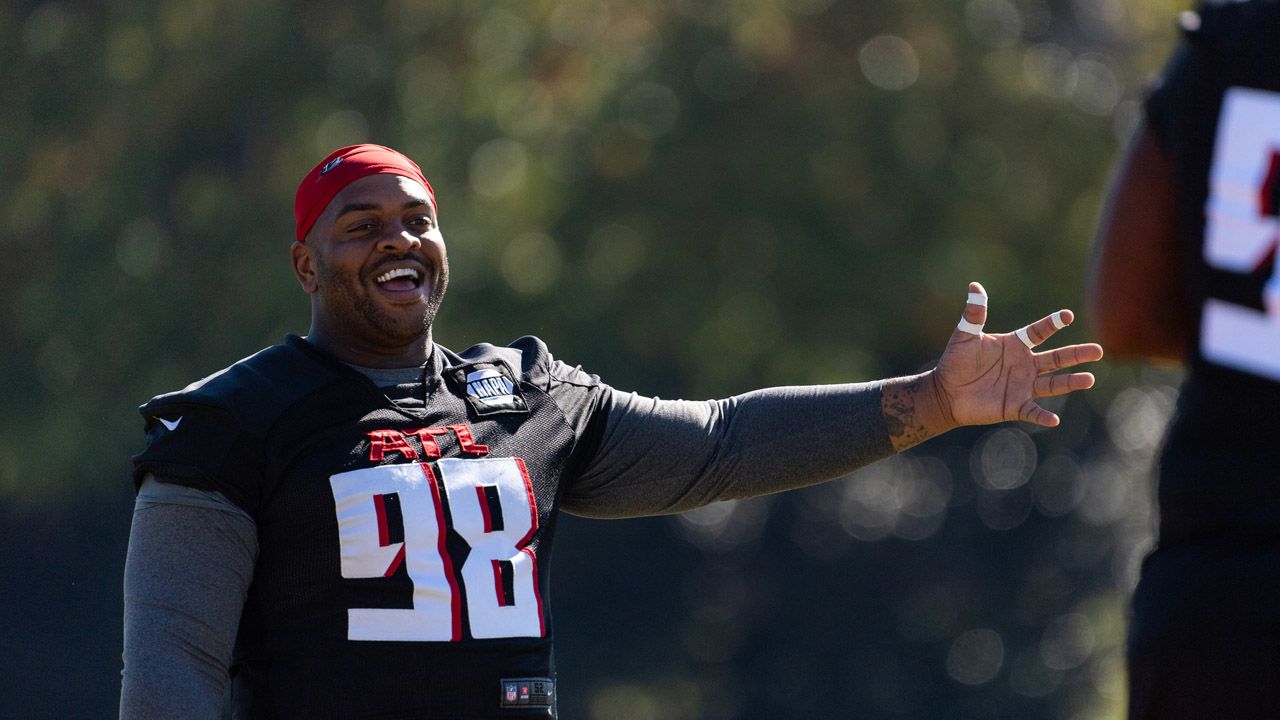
798	191
691	198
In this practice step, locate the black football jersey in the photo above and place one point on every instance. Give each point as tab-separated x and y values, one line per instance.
403	553
1217	113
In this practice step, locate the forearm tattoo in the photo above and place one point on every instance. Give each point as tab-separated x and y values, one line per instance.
906	427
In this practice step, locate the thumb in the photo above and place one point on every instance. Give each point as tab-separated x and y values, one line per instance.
975	310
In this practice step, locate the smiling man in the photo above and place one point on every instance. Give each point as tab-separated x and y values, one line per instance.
385	301
356	523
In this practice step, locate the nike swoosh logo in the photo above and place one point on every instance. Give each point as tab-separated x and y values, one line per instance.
171	424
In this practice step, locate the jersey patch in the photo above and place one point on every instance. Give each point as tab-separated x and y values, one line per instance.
490	388
528	693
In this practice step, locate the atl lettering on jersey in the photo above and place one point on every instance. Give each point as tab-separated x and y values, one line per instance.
383	442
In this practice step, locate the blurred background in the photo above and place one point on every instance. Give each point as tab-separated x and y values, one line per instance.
692	198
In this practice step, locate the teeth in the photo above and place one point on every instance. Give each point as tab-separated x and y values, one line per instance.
397	273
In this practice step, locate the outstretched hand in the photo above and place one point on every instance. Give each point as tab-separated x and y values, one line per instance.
992	377
985	378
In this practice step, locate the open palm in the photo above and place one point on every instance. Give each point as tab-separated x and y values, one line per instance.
987	378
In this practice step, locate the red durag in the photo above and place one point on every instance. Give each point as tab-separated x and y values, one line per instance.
342	168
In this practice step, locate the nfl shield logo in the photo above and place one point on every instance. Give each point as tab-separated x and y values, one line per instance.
511	692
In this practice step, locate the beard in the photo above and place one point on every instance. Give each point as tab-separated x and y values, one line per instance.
357	312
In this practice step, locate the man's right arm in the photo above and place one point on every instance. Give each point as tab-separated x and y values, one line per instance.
190	563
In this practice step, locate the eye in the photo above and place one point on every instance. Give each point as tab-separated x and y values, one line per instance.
422	221
362	226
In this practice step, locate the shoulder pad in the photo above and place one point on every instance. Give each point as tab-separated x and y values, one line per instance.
527	356
1232	26
253	391
209	435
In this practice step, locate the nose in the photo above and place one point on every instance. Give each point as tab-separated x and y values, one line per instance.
399	239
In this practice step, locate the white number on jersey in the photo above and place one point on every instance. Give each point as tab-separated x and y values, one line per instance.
1241	231
393	514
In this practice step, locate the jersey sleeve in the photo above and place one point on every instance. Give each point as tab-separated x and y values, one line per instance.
577	394
200	445
1159	99
1163	91
1219	38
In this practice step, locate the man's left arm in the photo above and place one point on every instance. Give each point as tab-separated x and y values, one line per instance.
666	456
662	456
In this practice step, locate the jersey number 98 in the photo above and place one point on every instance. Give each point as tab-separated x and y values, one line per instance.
393	514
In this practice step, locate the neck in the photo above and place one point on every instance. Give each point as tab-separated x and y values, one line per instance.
384	353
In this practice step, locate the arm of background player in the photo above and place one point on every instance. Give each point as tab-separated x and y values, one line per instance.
190	562
1138	295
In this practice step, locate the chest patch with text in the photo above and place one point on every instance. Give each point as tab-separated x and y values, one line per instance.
490	389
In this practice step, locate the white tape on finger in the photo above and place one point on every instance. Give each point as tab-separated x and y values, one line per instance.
1057	320
977	299
1022	335
971	328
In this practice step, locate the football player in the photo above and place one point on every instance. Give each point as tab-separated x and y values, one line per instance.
357	523
1185	271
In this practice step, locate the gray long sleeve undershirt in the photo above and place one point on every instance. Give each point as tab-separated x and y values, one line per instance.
190	563
668	456
192	553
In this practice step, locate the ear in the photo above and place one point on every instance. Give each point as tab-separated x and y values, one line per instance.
304	266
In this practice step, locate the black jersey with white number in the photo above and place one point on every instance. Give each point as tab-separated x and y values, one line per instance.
403	554
1217	114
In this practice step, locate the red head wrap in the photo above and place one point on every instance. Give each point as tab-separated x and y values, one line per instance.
342	168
